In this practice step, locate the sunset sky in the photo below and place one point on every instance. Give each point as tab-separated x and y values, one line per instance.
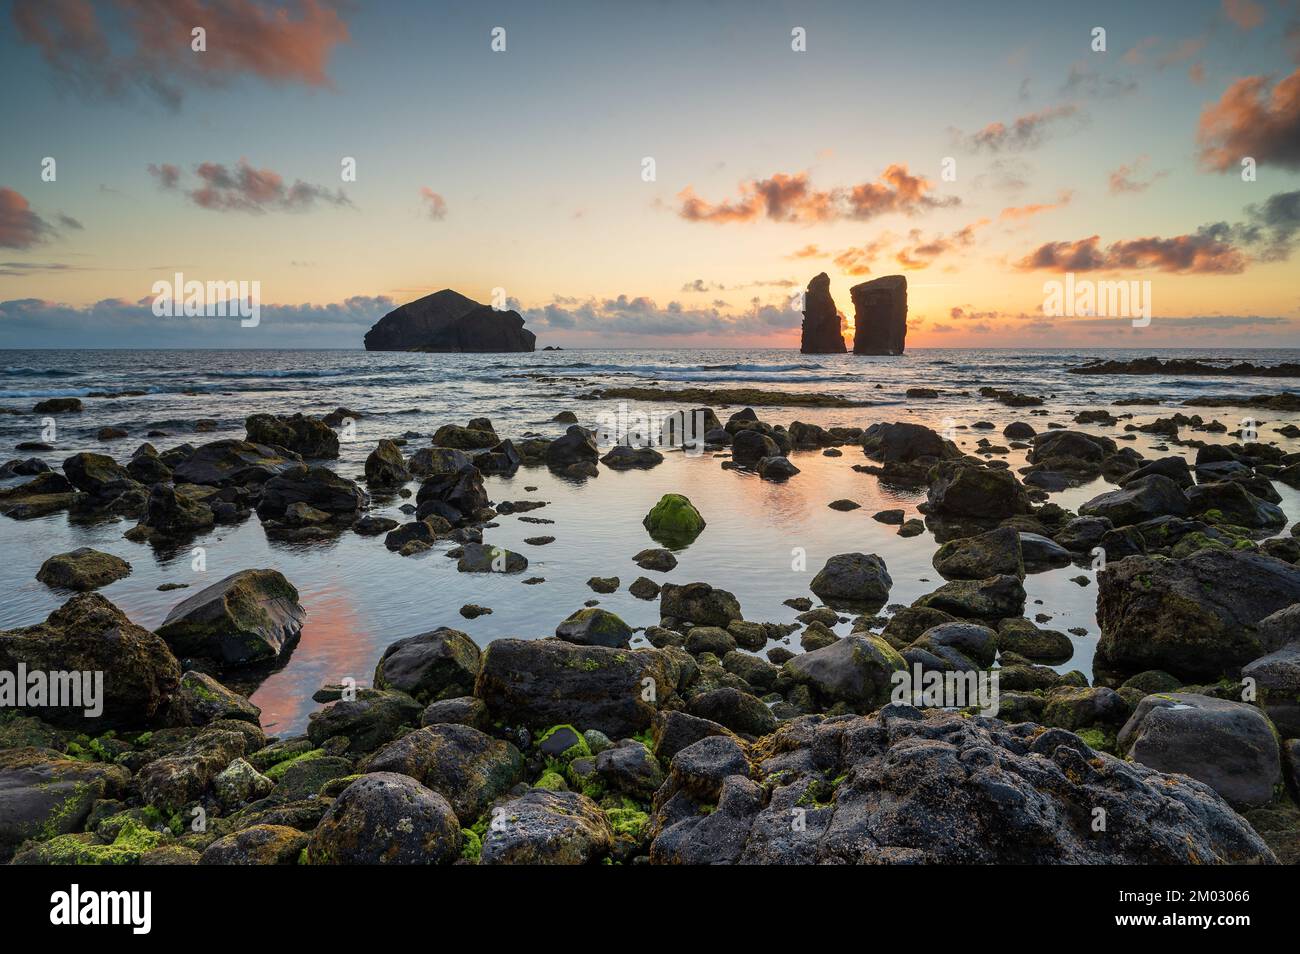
522	169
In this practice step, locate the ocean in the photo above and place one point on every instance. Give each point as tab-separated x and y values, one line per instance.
360	597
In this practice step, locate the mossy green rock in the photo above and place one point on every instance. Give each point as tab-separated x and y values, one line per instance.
594	626
385	818
249	617
85	849
467	767
82	569
46	794
674	521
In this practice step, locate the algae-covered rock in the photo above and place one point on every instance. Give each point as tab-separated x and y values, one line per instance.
249	617
82	569
89	635
548	828
674	521
467	767
593	626
385	818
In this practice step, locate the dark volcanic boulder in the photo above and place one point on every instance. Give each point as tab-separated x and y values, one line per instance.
367	721
546	682
880	315
174	511
441	664
385	467
467	767
249	617
751	445
593	626
993	598
963	489
1153	496
946	789
853	578
45	794
821	320
88	634
386	819
548	828
976	558
1197	618
100	477
700	603
82	569
235	463
906	443
465	438
577	446
1277	682
1228	502
1230	746
320	487
448	321
454	497
857	670
438	461
308	436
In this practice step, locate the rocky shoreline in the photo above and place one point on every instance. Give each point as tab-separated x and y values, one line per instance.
703	739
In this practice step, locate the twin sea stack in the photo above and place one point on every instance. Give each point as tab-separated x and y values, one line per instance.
879	317
448	321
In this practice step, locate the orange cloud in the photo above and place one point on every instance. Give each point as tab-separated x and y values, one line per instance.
435	204
1122	180
1246	14
1025	132
20	227
1203	252
244	36
1249	120
792	198
1021	212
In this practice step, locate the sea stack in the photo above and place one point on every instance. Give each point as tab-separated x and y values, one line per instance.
821	320
448	321
880	315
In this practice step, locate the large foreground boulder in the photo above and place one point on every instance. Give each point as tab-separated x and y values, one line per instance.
1197	618
546	682
943	788
1153	496
318	487
386	819
467	767
548	828
249	617
44	793
1230	746
88	635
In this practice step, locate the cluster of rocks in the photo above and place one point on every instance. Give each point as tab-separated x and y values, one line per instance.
581	749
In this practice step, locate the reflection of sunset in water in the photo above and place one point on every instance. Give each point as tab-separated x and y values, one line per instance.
335	645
